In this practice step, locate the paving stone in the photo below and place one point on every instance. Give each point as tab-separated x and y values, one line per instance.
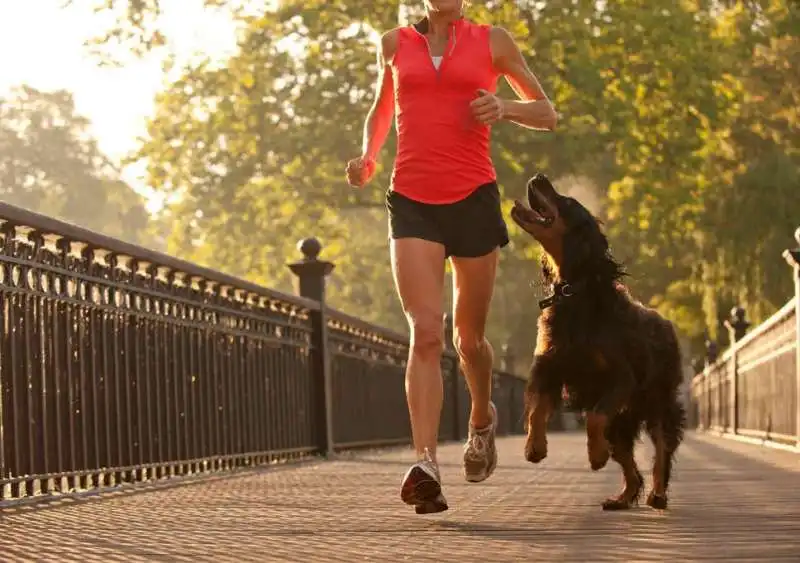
729	501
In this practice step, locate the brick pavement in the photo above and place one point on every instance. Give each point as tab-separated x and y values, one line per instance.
730	501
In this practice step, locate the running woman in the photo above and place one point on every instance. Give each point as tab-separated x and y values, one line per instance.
439	77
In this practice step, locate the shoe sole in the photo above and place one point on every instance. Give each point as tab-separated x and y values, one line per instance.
422	492
432	506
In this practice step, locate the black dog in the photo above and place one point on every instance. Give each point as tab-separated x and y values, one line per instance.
618	360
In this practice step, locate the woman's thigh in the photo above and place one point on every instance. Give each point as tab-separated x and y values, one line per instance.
418	267
473	287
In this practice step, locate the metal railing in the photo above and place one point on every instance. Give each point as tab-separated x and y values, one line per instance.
121	365
753	389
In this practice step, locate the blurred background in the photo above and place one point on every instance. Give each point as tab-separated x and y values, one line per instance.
218	131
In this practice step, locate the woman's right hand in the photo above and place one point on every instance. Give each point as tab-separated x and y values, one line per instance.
360	171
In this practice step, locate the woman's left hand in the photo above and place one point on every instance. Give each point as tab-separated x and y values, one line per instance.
487	108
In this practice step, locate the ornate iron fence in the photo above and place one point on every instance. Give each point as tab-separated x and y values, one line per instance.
120	365
753	389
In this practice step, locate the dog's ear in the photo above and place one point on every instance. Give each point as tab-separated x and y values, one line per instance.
542	184
599	242
585	249
592	235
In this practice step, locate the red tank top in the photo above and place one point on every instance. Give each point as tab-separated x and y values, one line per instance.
442	151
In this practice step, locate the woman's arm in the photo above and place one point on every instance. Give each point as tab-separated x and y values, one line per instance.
533	109
379	118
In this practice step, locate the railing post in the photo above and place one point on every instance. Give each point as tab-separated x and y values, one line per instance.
310	283
696	395
455	380
507	359
711	351
507	362
737	326
711	359
792	257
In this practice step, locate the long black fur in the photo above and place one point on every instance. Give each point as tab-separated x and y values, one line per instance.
612	354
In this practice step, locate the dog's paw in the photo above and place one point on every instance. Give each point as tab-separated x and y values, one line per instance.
535	455
658	502
598	465
618	503
628	498
535	446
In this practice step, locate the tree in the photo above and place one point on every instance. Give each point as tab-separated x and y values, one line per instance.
51	165
255	152
755	205
669	113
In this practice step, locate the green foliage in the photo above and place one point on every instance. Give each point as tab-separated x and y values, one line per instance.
679	123
51	165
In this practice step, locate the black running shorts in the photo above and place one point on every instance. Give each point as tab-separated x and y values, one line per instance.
468	228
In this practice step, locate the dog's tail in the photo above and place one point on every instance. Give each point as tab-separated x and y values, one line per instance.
674	419
674	424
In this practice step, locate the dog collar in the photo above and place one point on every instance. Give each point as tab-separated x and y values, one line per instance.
561	290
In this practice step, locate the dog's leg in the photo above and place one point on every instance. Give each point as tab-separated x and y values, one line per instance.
597	444
540	408
542	396
610	407
658	496
622	433
666	434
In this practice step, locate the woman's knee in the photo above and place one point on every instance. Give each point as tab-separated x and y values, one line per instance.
427	335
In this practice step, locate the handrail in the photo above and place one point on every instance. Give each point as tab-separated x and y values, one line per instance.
20	217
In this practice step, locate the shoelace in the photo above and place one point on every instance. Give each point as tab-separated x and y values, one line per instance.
475	448
428	462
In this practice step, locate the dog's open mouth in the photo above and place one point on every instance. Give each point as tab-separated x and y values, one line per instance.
542	212
525	215
539	211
